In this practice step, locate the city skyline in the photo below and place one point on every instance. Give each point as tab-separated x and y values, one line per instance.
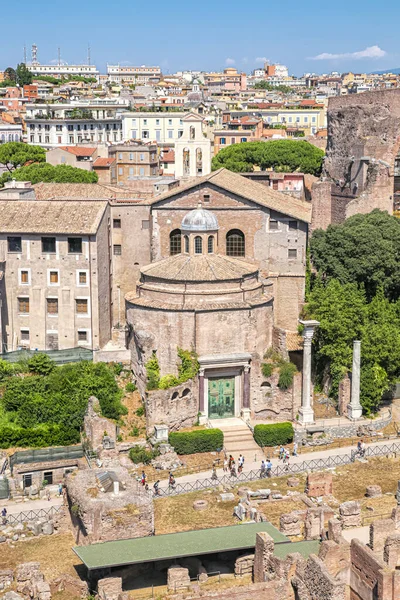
302	41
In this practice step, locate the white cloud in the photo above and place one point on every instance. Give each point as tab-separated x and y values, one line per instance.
230	61
245	60
261	59
370	52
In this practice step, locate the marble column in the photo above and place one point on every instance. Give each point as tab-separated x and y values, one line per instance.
245	412
354	409
201	391
306	413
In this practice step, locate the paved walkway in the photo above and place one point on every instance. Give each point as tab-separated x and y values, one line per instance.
14	508
307	456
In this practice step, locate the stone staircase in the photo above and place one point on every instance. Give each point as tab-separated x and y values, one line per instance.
238	439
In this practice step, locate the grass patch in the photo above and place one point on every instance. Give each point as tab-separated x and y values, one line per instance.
350	482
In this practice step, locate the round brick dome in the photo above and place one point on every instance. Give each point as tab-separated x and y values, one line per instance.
199	219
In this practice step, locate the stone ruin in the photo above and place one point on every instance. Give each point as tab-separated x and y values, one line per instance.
31	584
108	505
319	484
97	428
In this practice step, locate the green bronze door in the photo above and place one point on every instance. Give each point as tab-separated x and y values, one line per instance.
221	397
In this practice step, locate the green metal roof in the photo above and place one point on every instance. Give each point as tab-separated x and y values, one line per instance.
187	543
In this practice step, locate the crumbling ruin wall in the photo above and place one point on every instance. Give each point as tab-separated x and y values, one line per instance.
367	574
363	141
176	407
96	426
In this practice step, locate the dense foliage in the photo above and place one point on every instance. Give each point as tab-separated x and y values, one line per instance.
47	173
274	434
365	250
52	404
192	442
17	154
23	75
278	155
140	455
264	85
286	368
188	367
356	295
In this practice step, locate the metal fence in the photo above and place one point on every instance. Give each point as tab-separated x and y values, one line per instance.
46	455
318	464
60	357
33	515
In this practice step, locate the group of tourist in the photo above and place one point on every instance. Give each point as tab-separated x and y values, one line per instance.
230	465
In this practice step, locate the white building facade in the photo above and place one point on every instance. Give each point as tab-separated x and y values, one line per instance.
165	128
52	125
192	149
132	75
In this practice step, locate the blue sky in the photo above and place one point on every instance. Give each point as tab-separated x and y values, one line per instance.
207	35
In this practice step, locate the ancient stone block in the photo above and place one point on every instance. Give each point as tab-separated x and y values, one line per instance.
178	578
373	491
293	482
319	484
28	571
290	523
350	514
6	578
391	552
72	586
313	524
334	529
227	497
48	528
244	565
200	504
240	511
109	588
262	557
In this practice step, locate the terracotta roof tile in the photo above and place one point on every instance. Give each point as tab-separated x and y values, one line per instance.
32	216
294	341
103	162
79	150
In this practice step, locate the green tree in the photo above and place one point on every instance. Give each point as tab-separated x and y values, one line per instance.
23	75
41	364
17	154
365	249
340	309
10	74
50	174
278	155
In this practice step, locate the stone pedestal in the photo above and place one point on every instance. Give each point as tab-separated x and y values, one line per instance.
354	409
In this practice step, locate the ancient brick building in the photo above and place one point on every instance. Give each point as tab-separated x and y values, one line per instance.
359	168
227	273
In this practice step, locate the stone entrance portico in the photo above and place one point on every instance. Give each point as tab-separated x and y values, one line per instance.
228	366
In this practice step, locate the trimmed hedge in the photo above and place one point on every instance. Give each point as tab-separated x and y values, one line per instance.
37	437
192	442
274	434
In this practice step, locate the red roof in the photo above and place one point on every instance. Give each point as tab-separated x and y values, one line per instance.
79	150
103	162
168	156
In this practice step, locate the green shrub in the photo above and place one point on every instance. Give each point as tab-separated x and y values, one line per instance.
168	381
192	442
39	437
140	411
286	373
189	366
41	364
274	434
267	369
138	454
153	372
117	368
130	387
135	431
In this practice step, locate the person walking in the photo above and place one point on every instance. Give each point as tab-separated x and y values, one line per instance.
233	469
281	452
156	488
225	465
295	449
230	461
214	475
269	468
263	469
143	479
171	481
4	516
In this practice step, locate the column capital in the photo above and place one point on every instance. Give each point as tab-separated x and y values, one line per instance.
309	328
201	372
246	368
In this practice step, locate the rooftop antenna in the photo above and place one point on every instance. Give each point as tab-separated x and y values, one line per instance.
59	57
25	54
88	55
34	54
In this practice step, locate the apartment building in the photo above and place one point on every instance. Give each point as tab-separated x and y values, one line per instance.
55	274
64	70
152	126
74	156
132	161
229	79
82	122
133	75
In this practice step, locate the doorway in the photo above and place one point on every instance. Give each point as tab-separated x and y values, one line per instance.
221	397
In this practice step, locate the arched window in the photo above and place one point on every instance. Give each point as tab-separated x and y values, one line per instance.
198	245
175	244
186	161
187	243
235	244
192	133
199	161
210	244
